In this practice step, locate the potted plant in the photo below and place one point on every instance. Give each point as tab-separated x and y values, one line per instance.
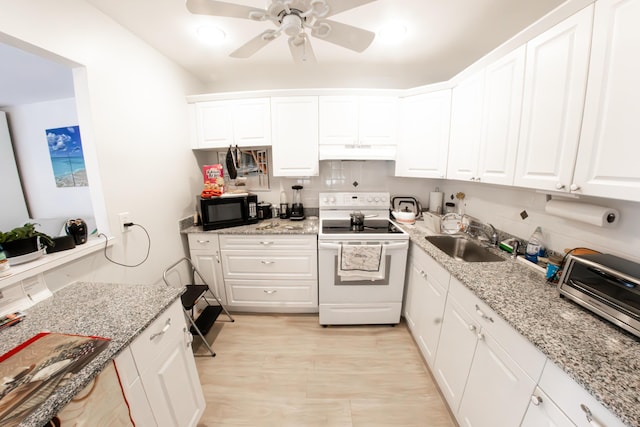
23	240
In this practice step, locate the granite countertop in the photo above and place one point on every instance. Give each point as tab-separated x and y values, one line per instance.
599	356
267	226
116	311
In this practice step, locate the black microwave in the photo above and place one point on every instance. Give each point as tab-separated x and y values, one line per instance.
228	211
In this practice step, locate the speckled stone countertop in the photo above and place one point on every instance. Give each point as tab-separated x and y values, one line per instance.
599	356
116	311
267	226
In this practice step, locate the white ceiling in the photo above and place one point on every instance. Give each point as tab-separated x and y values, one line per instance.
443	38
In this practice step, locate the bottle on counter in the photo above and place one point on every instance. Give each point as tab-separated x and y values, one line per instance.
284	206
535	246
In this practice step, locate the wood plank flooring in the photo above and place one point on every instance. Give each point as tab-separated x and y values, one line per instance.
287	370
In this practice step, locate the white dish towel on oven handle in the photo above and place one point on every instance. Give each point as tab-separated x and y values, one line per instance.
361	262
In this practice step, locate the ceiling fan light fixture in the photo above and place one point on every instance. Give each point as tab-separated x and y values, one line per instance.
211	34
392	32
291	24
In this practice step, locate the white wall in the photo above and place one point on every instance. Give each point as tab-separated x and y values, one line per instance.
133	115
28	123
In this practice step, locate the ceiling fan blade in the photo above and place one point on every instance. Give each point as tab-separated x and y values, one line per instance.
344	35
301	50
220	8
255	44
337	6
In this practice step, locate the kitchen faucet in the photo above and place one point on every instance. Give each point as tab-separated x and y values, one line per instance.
480	227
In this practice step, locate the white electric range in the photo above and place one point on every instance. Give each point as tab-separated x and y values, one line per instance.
344	297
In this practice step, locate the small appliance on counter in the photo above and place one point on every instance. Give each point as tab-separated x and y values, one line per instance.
229	210
77	229
264	210
404	204
297	210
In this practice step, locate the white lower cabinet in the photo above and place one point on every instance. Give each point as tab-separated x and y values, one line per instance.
581	408
277	273
485	369
543	412
159	374
427	285
205	255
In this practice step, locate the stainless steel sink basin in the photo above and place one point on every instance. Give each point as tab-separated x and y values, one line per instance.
462	249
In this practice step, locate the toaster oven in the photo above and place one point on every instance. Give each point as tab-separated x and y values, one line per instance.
605	284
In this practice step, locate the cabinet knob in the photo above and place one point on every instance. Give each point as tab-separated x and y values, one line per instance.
536	400
559	186
473	178
472	328
480	336
574	187
423	274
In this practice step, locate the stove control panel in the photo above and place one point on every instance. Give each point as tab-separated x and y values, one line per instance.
369	200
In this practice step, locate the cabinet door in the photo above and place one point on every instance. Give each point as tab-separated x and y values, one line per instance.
542	412
466	127
424	135
214	124
554	88
295	136
172	385
252	122
493	373
501	118
607	163
338	120
208	264
377	120
456	347
425	305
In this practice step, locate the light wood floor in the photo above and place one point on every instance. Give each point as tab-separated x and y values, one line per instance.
287	370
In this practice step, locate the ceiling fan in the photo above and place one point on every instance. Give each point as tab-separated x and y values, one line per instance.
293	18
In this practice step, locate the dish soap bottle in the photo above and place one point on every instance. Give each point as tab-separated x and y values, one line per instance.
535	246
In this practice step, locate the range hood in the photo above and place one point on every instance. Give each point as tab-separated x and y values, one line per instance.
357	152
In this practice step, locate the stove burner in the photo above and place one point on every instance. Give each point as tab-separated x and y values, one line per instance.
370	226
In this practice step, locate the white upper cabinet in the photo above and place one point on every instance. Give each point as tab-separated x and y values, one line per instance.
607	163
241	122
424	135
501	118
554	90
353	127
466	125
294	131
485	122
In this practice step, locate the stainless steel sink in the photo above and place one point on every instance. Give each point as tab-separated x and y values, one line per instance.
462	249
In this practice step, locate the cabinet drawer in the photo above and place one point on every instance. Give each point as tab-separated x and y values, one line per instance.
569	396
268	242
530	359
163	333
264	292
433	270
207	241
269	265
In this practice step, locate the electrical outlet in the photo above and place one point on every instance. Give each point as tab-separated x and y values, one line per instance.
124	218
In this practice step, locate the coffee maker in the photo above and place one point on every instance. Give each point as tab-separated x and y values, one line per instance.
297	211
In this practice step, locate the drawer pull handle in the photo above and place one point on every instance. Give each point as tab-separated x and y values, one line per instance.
536	400
162	332
270	291
481	314
423	274
267	262
202	241
589	415
266	243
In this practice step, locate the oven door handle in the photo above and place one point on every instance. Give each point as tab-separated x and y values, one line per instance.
324	245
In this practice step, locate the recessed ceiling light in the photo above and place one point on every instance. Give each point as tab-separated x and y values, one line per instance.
211	34
392	32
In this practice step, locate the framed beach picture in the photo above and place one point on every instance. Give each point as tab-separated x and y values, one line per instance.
67	158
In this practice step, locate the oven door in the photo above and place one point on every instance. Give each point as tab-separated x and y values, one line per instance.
333	289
